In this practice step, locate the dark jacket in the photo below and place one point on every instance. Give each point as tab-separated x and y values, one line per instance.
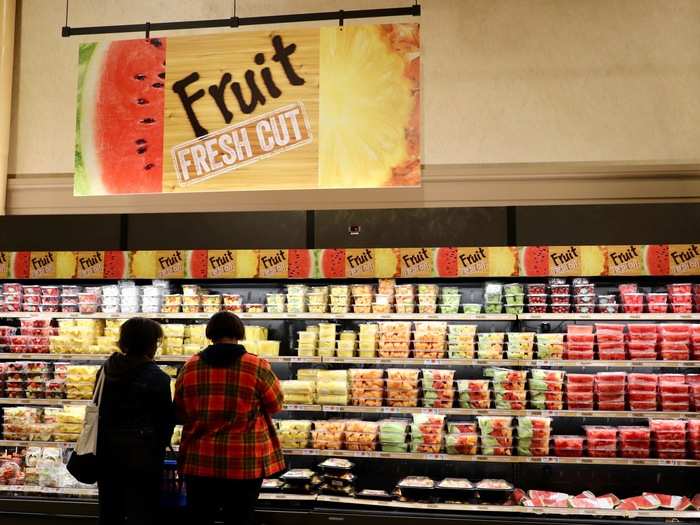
136	415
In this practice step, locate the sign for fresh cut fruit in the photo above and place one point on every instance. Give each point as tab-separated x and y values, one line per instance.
288	109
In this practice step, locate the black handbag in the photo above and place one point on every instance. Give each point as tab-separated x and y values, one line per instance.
83	467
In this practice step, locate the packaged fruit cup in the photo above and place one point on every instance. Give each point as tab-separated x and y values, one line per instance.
515	309
472	308
677	288
493	292
537	299
513	299
632	298
682	308
585	299
493	308
568	446
536	288
561	308
627	288
255	308
537	308
86	308
560	299
449	309
559	289
584	289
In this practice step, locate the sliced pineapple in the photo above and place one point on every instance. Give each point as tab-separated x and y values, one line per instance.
366	105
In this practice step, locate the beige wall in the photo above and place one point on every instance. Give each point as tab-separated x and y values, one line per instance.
536	86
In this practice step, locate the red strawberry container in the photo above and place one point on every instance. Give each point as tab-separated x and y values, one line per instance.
657	298
627	288
537	298
536	289
559	289
560	299
561	308
678	288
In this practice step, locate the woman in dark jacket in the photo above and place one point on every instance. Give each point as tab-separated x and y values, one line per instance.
135	426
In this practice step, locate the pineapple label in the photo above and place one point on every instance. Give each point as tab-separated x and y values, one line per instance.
221	263
359	263
273	264
170	264
4	264
89	265
42	265
625	260
565	260
684	259
472	262
416	262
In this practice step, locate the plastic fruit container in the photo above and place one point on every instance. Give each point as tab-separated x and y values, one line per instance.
568	446
559	289
678	288
681	308
561	299
536	288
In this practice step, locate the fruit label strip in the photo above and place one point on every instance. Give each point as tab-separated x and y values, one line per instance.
365	263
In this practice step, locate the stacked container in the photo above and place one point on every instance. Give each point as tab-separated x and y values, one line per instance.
584	296
294	433
632	299
130	298
275	303
317	299
493	298
547	389
296	298
393	434
641	391
395	339
668	436
579	342
601	441
340	299
657	303
449	300
694	438
681	298
462	438
366	387
427	433
496	434
347	344
332	387
537	298
610	390
327	339
674	342
461	341
474	393
427	298
520	345
550	346
695	341
69	298
674	393
12	297
642	341
579	391
515	298
361	435
610	339
328	435
308	343
533	435
508	387
438	388
635	442
429	339
490	345
368	340
405	298
560	295
232	302
568	446
402	387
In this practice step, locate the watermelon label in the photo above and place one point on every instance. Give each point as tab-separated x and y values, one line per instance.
90	265
359	263
4	264
42	265
273	264
565	260
221	263
625	260
472	262
416	262
170	264
685	259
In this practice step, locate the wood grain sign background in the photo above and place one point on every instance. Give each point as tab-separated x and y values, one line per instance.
289	109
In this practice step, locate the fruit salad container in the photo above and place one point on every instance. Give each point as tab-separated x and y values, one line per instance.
474	393
493	307
550	346
537	299
474	308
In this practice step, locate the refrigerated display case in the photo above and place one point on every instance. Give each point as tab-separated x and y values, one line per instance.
530	380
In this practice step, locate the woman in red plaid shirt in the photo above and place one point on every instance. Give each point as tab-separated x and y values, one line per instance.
224	398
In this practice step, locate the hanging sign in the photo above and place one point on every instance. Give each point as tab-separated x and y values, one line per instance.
283	109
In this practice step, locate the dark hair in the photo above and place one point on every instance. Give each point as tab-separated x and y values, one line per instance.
225	325
139	337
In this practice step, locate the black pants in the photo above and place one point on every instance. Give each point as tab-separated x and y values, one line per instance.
229	500
129	497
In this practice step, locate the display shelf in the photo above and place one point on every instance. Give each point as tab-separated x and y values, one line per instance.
561	363
511	509
382	361
15	443
43	402
287	497
491	412
270	316
31	489
609	317
650	462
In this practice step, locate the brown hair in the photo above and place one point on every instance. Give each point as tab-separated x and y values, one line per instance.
225	325
139	337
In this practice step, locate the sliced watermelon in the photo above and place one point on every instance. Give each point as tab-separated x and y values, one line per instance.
683	504
696	501
644	502
612	498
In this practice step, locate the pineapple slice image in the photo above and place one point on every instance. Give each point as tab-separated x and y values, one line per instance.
143	265
369	125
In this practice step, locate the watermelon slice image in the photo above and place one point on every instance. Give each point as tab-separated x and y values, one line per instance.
116	264
196	264
300	265
333	263
446	262
119	128
656	259
644	502
534	261
19	265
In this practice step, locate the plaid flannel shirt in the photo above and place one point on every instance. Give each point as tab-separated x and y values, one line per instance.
227	429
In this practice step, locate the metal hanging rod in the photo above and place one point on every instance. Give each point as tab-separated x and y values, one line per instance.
235	21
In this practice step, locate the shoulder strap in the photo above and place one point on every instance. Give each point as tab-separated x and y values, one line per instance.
97	394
